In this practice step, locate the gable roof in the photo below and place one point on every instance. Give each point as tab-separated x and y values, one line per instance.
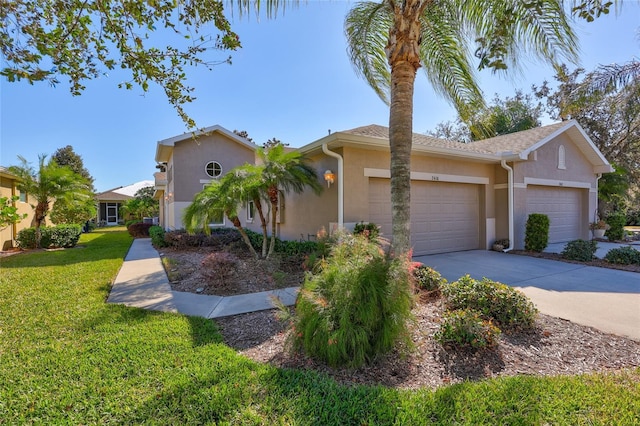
512	147
123	192
165	146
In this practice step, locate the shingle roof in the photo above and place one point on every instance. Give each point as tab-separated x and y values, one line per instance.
514	142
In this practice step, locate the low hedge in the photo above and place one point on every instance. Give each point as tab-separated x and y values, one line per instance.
61	236
139	229
580	250
623	255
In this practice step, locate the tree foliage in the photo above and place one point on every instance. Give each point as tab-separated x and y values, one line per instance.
501	117
66	156
143	204
83	40
49	182
9	212
611	119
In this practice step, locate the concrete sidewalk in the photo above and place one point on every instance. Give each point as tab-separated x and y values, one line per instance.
143	283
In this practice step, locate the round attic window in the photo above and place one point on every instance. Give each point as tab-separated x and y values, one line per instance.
213	169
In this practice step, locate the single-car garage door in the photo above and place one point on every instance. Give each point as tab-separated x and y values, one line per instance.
445	216
564	208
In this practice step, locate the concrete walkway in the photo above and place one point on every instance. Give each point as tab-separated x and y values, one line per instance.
143	283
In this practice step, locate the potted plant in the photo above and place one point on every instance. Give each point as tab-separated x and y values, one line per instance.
500	245
599	228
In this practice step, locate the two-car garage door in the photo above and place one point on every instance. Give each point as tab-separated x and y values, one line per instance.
445	216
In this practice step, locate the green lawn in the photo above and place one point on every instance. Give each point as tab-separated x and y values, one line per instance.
66	357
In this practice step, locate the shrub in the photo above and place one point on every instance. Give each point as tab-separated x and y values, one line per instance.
218	267
428	279
128	223
57	236
139	229
616	223
26	238
466	329
219	237
581	250
369	230
356	308
64	235
157	236
536	235
626	255
495	301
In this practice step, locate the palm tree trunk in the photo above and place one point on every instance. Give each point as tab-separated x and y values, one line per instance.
41	213
273	198
403	55
263	224
243	233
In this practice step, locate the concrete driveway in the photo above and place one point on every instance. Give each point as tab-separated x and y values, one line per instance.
606	299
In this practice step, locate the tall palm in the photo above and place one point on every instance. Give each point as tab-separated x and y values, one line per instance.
389	40
284	172
218	197
46	183
254	190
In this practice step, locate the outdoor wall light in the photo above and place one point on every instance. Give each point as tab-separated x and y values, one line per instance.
330	177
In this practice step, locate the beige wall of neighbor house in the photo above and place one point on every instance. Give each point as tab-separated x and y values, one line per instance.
8	189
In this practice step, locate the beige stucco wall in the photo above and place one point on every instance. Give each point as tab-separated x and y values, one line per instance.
186	173
8	234
190	158
544	165
313	212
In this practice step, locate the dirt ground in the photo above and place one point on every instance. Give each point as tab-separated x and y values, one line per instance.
556	347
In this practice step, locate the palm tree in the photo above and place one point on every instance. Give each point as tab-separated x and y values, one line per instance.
389	40
47	183
218	197
284	172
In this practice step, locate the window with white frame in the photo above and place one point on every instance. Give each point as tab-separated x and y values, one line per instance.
561	158
251	208
213	169
23	197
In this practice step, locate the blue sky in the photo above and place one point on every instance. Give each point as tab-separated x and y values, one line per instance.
291	80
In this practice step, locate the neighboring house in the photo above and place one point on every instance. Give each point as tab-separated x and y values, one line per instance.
110	202
191	160
8	189
463	196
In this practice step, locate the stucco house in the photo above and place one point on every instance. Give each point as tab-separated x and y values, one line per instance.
110	202
8	189
463	196
189	161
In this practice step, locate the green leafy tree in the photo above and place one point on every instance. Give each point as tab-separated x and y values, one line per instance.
46	183
67	157
49	40
390	40
284	172
503	116
611	119
9	212
143	204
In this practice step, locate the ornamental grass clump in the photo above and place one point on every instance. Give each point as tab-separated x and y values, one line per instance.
507	307
358	306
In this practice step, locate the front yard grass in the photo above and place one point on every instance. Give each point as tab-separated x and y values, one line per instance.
66	357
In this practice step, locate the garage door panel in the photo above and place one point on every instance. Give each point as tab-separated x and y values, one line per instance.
444	216
564	208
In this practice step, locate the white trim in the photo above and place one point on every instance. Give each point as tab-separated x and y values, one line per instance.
436	177
506	186
558	183
205	181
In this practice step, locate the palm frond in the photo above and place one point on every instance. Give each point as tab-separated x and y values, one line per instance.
367	28
612	77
